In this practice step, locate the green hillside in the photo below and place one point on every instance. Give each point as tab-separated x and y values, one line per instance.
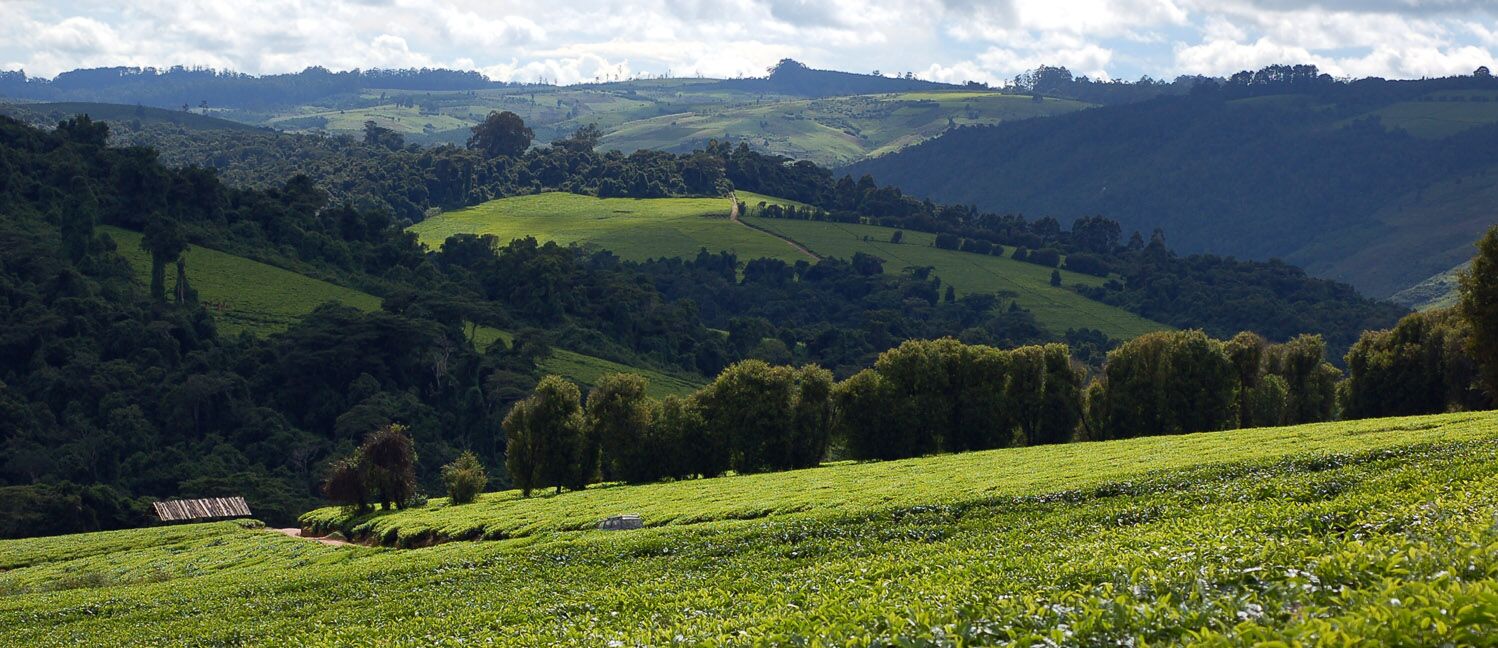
633	228
835	130
246	295
664	227
243	294
1441	114
1376	530
675	115
1057	309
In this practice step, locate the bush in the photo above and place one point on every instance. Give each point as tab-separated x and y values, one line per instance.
465	478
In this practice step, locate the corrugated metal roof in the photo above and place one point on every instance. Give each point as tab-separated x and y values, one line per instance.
201	509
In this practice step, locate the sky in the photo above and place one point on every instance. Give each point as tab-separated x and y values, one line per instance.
571	41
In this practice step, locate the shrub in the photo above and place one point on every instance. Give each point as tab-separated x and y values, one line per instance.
465	478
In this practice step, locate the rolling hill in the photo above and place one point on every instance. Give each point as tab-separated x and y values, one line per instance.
826	116
249	296
1377	529
1377	184
661	227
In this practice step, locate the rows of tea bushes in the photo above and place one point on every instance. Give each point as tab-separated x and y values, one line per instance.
1345	540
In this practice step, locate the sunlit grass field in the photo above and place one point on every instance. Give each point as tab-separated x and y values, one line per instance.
247	295
1055	308
835	130
244	294
679	227
633	228
1372	532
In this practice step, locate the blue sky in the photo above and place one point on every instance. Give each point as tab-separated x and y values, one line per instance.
570	41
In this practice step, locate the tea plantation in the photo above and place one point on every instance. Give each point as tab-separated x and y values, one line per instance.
1362	533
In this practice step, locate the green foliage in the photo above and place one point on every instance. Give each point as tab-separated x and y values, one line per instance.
1422	365
501	134
1055	308
465	478
546	439
619	420
1479	306
1169	383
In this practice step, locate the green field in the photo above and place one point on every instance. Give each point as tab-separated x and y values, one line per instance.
1365	533
678	227
833	131
1445	114
633	228
673	114
1056	309
243	294
246	295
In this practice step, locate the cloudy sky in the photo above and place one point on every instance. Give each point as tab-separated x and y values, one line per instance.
581	40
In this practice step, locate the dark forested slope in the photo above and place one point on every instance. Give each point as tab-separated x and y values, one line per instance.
1340	178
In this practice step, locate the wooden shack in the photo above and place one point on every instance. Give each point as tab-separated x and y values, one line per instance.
621	523
208	508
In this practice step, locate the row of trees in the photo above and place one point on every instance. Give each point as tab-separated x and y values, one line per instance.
754	417
922	397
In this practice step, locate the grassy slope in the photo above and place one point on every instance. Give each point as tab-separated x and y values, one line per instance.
1435	119
851	488
1057	309
683	115
246	295
836	130
1311	534
663	227
630	227
243	294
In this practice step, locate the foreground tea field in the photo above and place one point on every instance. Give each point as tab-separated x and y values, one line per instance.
248	296
1378	531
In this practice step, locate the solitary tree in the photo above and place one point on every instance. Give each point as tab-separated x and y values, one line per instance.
391	459
501	133
164	240
1479	306
77	221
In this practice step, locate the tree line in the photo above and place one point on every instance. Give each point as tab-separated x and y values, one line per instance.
931	396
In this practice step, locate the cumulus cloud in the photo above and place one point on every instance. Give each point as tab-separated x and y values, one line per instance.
587	40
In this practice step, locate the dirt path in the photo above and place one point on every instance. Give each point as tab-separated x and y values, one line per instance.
297	533
733	215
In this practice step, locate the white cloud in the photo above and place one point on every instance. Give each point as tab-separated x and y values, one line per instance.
582	40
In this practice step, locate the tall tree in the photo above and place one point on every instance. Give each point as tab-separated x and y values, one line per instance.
619	418
501	133
557	431
520	448
1479	305
77	220
391	458
164	240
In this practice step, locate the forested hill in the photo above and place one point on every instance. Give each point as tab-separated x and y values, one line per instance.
1377	183
795	78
